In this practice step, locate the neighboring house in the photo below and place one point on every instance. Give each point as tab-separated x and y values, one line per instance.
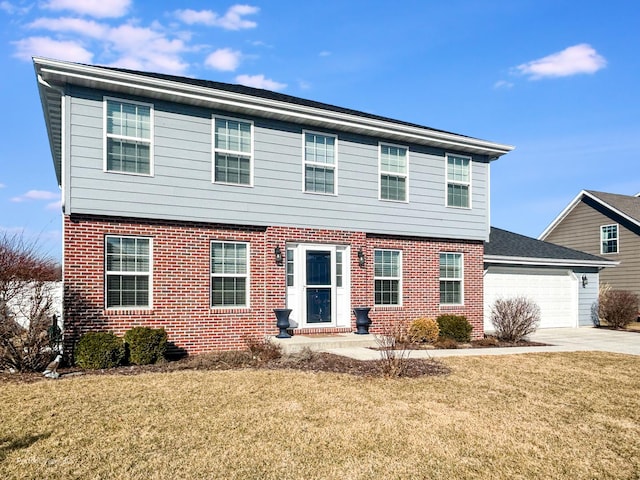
563	282
603	224
200	207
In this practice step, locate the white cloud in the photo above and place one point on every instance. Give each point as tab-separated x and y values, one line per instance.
324	53
573	60
36	195
231	20
224	59
258	81
93	8
2	185
88	28
12	9
502	84
48	47
57	205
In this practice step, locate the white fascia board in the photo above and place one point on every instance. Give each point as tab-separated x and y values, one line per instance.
96	77
499	259
574	203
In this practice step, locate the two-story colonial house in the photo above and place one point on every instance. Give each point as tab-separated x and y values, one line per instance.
200	207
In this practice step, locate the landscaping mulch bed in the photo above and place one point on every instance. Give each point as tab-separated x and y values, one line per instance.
306	361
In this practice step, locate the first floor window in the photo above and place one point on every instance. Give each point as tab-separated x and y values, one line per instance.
451	278
128	271
229	274
387	277
609	239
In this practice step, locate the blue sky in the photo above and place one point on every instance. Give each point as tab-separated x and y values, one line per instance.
556	79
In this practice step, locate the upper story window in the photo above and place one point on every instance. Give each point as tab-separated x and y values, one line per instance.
394	168
128	272
451	278
387	277
229	274
128	132
233	151
609	239
320	160
458	181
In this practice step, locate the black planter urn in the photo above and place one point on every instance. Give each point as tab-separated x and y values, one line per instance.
282	321
362	320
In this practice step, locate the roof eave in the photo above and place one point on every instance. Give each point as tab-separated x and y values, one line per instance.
558	262
59	73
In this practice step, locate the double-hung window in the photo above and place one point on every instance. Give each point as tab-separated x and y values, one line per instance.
458	181
394	168
233	151
128	272
128	132
451	277
609	239
387	277
320	160
229	274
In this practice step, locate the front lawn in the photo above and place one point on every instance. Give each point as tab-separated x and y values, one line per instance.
565	415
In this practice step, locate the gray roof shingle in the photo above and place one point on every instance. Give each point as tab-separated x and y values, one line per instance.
626	204
503	243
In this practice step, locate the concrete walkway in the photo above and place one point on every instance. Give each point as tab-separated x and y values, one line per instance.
558	339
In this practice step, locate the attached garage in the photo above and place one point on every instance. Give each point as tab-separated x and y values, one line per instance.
561	281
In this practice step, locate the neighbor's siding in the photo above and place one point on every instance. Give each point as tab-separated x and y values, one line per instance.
580	230
181	280
181	188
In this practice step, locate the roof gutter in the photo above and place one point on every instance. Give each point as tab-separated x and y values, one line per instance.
560	262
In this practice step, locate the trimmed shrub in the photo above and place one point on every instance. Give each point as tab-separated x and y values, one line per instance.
423	330
262	349
145	345
96	350
456	327
618	307
514	318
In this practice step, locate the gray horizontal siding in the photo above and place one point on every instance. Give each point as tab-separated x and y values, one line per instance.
181	187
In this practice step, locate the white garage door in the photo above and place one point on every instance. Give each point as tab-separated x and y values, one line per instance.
555	292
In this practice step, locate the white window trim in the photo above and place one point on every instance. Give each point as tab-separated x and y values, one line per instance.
617	239
150	273
230	275
335	163
107	135
455	182
400	282
460	279
381	172
215	150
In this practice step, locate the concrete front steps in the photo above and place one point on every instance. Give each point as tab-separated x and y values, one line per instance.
324	342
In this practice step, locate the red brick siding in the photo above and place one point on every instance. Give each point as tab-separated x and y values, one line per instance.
181	279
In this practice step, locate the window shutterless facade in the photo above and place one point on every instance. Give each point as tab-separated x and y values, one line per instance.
229	274
387	277
609	239
320	159
451	277
232	151
127	272
128	129
394	172
458	181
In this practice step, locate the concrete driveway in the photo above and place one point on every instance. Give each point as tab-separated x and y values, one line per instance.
590	338
557	340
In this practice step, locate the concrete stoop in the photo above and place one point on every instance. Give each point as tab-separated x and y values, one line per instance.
322	343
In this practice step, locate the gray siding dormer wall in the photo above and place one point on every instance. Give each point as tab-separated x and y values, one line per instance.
181	187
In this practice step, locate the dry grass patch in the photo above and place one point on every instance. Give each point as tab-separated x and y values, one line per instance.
568	415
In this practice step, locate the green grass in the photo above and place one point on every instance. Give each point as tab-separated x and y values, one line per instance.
567	415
